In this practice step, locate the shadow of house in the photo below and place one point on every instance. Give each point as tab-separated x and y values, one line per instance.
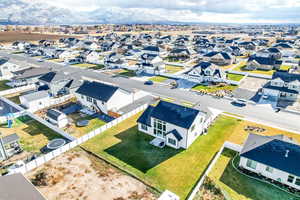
135	150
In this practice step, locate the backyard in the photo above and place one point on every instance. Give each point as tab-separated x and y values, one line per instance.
3	85
94	123
167	168
237	186
33	135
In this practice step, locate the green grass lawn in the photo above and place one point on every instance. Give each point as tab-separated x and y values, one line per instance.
15	99
56	60
3	85
33	135
128	73
159	79
235	77
167	168
241	187
96	67
241	68
285	67
84	65
173	69
212	89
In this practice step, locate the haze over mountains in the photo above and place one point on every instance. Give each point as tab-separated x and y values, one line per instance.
143	11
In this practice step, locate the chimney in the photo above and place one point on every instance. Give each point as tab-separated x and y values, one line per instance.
287	153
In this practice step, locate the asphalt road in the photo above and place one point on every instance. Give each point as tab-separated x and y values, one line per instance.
260	113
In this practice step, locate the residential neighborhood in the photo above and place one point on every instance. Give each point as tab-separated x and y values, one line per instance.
151	109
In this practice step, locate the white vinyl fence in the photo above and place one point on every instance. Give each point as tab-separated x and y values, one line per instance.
18	89
44	158
52	102
228	145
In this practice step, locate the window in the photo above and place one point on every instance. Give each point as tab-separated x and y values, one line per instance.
269	169
290	179
159	128
193	128
144	127
89	99
297	181
172	141
252	164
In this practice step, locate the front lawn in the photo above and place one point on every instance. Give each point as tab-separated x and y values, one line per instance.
172	69
175	170
240	187
241	68
128	73
85	65
3	85
159	79
214	88
285	67
56	60
234	77
14	98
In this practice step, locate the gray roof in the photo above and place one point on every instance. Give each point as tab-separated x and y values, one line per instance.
17	187
36	95
31	72
10	138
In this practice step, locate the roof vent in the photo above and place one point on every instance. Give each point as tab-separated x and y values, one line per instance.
287	153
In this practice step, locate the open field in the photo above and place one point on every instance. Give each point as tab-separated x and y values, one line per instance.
240	187
6	37
79	175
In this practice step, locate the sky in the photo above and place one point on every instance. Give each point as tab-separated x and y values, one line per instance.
211	11
229	11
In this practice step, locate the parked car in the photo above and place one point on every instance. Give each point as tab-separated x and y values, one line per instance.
15	166
148	83
239	102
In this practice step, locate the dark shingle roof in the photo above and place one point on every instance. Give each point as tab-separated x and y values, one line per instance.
274	152
223	54
176	134
265	60
53	114
145	118
96	90
151	48
173	113
286	77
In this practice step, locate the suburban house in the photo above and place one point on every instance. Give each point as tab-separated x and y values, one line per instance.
270	53
35	101
114	61
151	64
9	145
104	98
218	58
153	50
57	118
173	125
7	68
274	157
262	63
205	72
28	76
94	57
179	54
60	83
283	86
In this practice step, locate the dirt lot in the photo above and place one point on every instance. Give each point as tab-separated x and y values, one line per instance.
253	84
78	175
6	37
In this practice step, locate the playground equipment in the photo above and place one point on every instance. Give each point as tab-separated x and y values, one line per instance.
10	119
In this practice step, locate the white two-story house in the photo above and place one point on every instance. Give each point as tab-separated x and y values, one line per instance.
284	85
275	157
151	64
175	125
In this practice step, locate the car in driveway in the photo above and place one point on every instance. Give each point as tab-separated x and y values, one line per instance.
239	102
148	83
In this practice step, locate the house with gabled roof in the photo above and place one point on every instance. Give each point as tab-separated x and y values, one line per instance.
102	97
262	63
274	157
173	125
218	58
205	72
150	64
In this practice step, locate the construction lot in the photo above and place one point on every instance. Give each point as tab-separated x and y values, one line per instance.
79	175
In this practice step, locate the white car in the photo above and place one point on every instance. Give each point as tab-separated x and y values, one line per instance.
15	166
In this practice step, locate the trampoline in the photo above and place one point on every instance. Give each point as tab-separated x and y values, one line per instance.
56	143
82	123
